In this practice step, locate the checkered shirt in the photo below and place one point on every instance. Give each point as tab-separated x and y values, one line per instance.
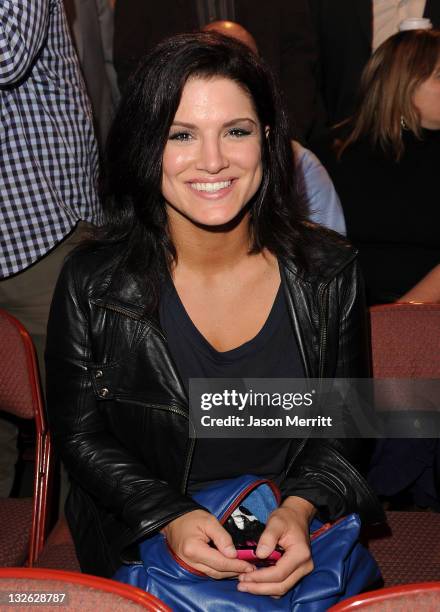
48	154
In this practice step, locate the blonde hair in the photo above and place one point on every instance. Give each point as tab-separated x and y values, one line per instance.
388	84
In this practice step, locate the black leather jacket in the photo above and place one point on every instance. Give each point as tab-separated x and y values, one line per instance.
119	413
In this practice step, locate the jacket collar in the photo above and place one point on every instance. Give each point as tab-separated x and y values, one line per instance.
326	258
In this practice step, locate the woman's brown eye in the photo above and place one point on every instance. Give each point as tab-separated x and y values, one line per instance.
182	136
239	132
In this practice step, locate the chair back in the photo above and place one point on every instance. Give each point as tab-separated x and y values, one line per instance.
73	591
404	598
20	395
405	340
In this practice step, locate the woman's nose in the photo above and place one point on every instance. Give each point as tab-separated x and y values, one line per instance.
212	157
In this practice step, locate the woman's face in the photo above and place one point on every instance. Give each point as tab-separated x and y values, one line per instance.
212	159
427	100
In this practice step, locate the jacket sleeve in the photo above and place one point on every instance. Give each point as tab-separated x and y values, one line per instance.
23	29
327	472
95	459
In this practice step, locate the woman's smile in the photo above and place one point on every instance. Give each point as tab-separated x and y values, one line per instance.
212	190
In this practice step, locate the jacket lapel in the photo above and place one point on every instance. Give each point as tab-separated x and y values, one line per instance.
125	296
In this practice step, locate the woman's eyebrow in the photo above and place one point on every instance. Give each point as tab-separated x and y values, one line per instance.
227	124
183	124
238	120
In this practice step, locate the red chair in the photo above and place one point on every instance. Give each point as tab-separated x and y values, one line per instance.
23	521
405	340
78	592
59	550
406	598
408	548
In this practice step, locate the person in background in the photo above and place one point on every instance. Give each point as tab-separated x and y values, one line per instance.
316	189
348	31
233	29
385	169
49	164
386	165
91	25
282	28
314	185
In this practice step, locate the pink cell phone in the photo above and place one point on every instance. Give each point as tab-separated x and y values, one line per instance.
248	554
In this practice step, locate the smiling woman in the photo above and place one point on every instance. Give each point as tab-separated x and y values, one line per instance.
206	268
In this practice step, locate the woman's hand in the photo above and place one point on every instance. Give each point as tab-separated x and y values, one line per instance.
189	537
288	526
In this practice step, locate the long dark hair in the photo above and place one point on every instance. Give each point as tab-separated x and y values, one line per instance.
134	208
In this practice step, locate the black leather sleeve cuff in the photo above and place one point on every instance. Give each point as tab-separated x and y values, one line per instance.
148	513
329	504
324	477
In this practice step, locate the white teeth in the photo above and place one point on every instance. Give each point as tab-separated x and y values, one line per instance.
211	187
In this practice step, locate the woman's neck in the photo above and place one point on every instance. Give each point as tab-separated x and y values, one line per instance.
209	251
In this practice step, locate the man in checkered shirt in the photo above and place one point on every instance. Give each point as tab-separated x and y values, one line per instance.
48	157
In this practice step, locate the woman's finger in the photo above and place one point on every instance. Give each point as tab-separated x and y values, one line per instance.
270	537
291	561
212	573
221	538
198	552
275	588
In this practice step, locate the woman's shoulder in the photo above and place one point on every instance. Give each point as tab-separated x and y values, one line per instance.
99	273
92	265
325	253
92	255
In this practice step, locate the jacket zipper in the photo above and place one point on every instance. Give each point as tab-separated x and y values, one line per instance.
174	409
323	343
189	456
132	315
323	332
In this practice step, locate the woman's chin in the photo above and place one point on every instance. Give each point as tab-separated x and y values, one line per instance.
212	218
219	222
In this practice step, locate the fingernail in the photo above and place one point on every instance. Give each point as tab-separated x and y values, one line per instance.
230	550
263	550
241	587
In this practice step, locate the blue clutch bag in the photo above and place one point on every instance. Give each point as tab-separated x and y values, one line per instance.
343	567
